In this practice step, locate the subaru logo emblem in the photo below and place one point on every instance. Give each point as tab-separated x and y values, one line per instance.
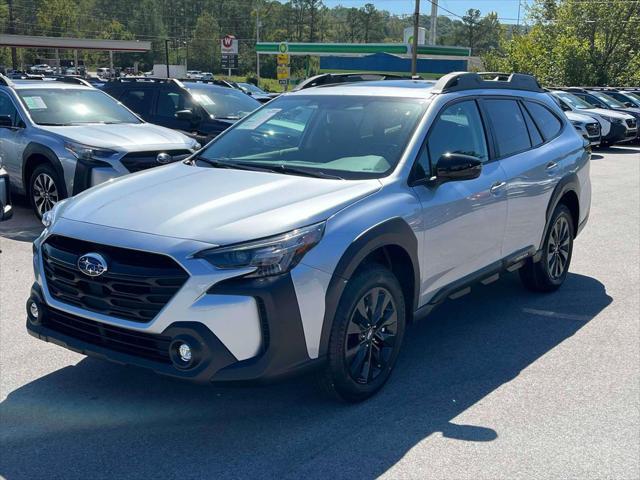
92	264
163	158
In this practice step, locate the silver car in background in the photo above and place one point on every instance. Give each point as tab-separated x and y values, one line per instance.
58	139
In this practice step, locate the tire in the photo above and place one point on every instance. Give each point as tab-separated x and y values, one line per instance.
45	189
365	341
548	274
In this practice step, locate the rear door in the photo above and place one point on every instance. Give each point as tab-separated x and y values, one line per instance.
464	220
139	99
523	132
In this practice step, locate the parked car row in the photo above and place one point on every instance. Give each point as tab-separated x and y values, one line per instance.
618	122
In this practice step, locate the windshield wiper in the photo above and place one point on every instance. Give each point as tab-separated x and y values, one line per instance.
304	172
51	124
224	163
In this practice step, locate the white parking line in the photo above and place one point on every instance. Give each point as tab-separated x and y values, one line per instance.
563	316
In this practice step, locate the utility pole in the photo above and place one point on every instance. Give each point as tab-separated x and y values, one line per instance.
414	47
433	35
166	54
12	29
257	41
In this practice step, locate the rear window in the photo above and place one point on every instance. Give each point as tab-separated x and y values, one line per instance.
546	121
509	126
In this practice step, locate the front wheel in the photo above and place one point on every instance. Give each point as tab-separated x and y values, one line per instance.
366	335
551	271
45	189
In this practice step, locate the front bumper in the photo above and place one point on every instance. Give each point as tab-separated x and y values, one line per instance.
246	329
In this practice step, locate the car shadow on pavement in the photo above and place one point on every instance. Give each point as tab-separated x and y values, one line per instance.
97	420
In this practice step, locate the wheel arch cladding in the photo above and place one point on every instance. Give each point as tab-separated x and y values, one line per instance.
567	192
393	244
35	155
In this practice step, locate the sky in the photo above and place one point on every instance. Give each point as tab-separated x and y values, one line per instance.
507	9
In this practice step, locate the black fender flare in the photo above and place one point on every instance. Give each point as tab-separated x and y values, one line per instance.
39	149
394	232
568	183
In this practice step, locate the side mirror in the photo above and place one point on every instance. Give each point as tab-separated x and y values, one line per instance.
6	121
629	104
186	114
457	166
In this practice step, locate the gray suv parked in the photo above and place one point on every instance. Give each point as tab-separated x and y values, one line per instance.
58	138
312	232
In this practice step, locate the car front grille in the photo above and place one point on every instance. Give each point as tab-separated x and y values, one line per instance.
593	129
137	161
135	287
146	345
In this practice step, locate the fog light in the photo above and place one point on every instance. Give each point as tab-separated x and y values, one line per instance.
33	310
184	350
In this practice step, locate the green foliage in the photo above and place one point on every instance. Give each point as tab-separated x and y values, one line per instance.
576	42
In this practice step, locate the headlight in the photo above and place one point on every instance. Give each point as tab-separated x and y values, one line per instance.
88	154
195	146
49	217
577	124
270	256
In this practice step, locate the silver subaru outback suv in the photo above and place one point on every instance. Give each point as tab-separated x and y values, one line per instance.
58	139
315	230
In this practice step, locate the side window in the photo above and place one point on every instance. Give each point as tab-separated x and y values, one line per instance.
546	121
169	102
534	133
8	109
508	125
458	129
138	100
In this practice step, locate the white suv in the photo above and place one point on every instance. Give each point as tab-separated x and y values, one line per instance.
313	231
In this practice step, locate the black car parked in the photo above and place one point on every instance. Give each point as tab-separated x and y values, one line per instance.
199	109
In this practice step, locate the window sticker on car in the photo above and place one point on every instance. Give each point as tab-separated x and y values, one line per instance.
259	118
35	103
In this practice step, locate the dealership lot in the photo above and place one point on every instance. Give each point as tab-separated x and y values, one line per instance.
502	383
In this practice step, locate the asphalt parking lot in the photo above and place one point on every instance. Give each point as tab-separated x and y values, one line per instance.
501	384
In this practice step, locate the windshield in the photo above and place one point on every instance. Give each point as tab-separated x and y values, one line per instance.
56	106
344	136
573	101
634	96
609	101
222	102
252	88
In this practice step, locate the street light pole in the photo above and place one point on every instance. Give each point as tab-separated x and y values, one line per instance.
414	47
257	41
166	54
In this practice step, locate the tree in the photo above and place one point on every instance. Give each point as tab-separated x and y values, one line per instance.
205	43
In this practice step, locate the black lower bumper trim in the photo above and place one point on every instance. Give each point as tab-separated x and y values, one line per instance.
131	347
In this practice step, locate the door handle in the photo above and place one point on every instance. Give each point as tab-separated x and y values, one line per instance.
551	166
496	187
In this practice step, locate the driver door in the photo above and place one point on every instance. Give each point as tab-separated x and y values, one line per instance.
463	220
12	141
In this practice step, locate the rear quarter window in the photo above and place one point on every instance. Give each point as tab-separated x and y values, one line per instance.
548	124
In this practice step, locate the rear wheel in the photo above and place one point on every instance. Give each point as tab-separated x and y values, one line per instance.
45	189
549	273
366	335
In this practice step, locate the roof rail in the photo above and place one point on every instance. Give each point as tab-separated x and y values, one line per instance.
460	81
145	79
76	80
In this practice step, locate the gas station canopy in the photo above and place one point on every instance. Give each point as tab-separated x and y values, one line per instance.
28	41
358	49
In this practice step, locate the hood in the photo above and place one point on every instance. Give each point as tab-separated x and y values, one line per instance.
580	117
213	205
129	137
609	113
